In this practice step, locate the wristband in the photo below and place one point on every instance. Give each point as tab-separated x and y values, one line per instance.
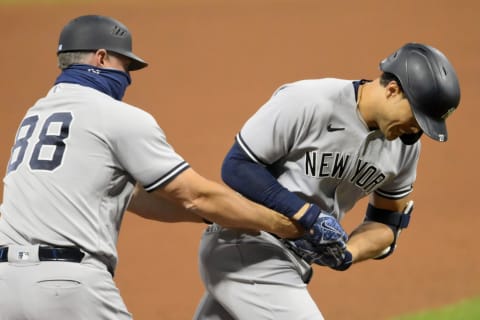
310	216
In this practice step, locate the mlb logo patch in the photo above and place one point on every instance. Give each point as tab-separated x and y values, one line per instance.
23	255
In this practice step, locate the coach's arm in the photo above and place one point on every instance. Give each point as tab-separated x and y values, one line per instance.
191	197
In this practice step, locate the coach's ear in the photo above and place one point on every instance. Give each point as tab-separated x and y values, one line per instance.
98	58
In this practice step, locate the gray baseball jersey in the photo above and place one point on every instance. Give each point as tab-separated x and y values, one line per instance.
76	158
311	135
314	141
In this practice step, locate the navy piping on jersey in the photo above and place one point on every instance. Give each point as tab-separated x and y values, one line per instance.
357	84
247	150
167	177
399	194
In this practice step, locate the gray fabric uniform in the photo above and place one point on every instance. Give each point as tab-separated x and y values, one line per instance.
76	158
315	143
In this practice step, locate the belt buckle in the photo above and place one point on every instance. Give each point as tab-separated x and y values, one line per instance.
23	254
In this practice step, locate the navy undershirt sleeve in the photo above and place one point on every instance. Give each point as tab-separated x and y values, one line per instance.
255	182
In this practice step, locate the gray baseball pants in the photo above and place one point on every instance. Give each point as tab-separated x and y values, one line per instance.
252	277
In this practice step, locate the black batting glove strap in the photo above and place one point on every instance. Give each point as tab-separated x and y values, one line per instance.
310	216
347	262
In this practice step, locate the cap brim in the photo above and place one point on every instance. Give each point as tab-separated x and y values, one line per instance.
434	128
137	62
137	65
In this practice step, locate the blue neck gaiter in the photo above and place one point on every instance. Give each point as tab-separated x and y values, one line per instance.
109	81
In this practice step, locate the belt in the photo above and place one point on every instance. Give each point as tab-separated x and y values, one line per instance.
48	253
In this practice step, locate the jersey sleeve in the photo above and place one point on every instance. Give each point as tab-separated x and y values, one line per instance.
274	130
402	184
141	148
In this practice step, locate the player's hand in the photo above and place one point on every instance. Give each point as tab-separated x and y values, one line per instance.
327	231
324	244
321	227
333	257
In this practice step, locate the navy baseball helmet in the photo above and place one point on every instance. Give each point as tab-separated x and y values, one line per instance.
93	32
430	84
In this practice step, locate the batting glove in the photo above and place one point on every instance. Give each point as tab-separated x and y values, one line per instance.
324	244
327	231
322	255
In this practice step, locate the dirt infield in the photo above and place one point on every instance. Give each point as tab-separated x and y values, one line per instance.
212	64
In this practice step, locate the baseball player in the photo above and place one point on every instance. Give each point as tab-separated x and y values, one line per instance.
314	149
80	158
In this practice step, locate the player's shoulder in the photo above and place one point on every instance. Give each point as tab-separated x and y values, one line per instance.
306	85
324	94
315	91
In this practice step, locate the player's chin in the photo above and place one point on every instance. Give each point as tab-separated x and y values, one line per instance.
390	132
393	133
390	136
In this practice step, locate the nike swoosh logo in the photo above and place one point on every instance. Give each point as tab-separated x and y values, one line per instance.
326	226
331	129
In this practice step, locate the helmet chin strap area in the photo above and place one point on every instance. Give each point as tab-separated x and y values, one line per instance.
411	138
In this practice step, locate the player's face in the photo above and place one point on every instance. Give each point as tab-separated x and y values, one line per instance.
400	119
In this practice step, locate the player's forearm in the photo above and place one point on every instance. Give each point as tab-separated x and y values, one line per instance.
368	240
